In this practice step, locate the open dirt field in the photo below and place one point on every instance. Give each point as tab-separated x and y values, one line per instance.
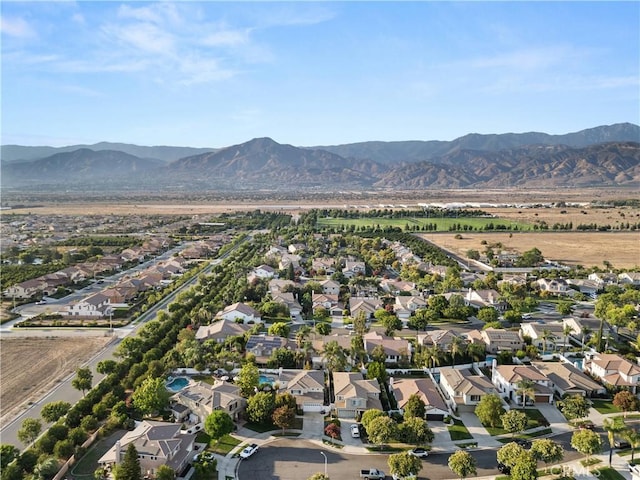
31	366
622	249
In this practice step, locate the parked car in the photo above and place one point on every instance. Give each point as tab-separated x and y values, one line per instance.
419	452
41	302
395	476
505	469
355	431
372	474
248	451
523	442
621	444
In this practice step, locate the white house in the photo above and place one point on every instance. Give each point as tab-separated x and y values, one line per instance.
96	305
614	370
506	378
240	311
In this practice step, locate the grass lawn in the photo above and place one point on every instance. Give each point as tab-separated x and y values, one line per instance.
604	406
443	224
590	461
268	427
607	473
528	436
224	446
534	419
631	416
458	431
89	462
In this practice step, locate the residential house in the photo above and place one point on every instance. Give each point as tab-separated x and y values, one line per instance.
203	398
537	331
221	330
629	278
133	254
354	395
395	287
506	378
330	287
614	370
277	285
501	340
441	338
94	306
554	286
329	302
262	346
588	287
263	271
240	311
603	279
157	444
307	386
405	306
353	268
485	298
396	349
463	388
435	406
287	298
567	379
367	305
26	289
324	265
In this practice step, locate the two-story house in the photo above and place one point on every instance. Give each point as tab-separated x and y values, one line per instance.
614	370
508	378
405	306
240	311
354	395
202	398
463	388
328	302
501	340
330	287
395	349
567	379
157	444
353	268
307	386
95	306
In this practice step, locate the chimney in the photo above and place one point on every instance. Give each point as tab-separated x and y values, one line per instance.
117	447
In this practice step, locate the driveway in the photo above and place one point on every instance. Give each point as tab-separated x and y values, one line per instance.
553	416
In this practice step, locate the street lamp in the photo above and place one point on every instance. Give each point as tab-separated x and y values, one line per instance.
325	465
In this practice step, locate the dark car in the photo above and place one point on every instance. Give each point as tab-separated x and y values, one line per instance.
505	469
621	444
522	442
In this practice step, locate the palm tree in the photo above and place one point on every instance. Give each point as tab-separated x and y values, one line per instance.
585	333
566	331
335	356
613	427
302	334
526	388
432	356
546	335
475	351
633	437
457	347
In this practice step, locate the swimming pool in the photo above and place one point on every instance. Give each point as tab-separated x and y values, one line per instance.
265	379
177	384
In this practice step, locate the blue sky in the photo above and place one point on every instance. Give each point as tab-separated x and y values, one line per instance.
213	74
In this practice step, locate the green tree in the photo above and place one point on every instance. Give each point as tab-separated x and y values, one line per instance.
46	468
323	328
29	430
334	356
525	467
151	396
564	308
218	424
415	407
381	429
514	421
547	451
285	399
260	407
82	380
633	437
318	476
586	442
462	464
53	411
8	453
129	469
248	379
105	367
626	401
404	464
377	370
12	472
414	430
490	410
64	449
391	323
508	454
284	417
360	324
165	472
369	415
487	314
280	329
574	407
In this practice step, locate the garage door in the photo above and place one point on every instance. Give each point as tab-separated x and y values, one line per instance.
433	416
542	399
346	413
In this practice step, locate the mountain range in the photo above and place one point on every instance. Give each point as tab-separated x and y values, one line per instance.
600	156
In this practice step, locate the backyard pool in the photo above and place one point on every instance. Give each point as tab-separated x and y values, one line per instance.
177	384
265	379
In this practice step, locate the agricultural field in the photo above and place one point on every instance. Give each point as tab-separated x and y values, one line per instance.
442	224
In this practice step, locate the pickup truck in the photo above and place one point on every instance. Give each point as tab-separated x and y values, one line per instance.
372	474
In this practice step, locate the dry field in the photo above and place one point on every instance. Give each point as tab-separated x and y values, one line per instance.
31	366
621	249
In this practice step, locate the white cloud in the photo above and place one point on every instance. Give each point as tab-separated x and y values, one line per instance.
16	27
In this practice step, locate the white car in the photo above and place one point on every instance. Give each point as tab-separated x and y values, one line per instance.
248	451
419	452
355	431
